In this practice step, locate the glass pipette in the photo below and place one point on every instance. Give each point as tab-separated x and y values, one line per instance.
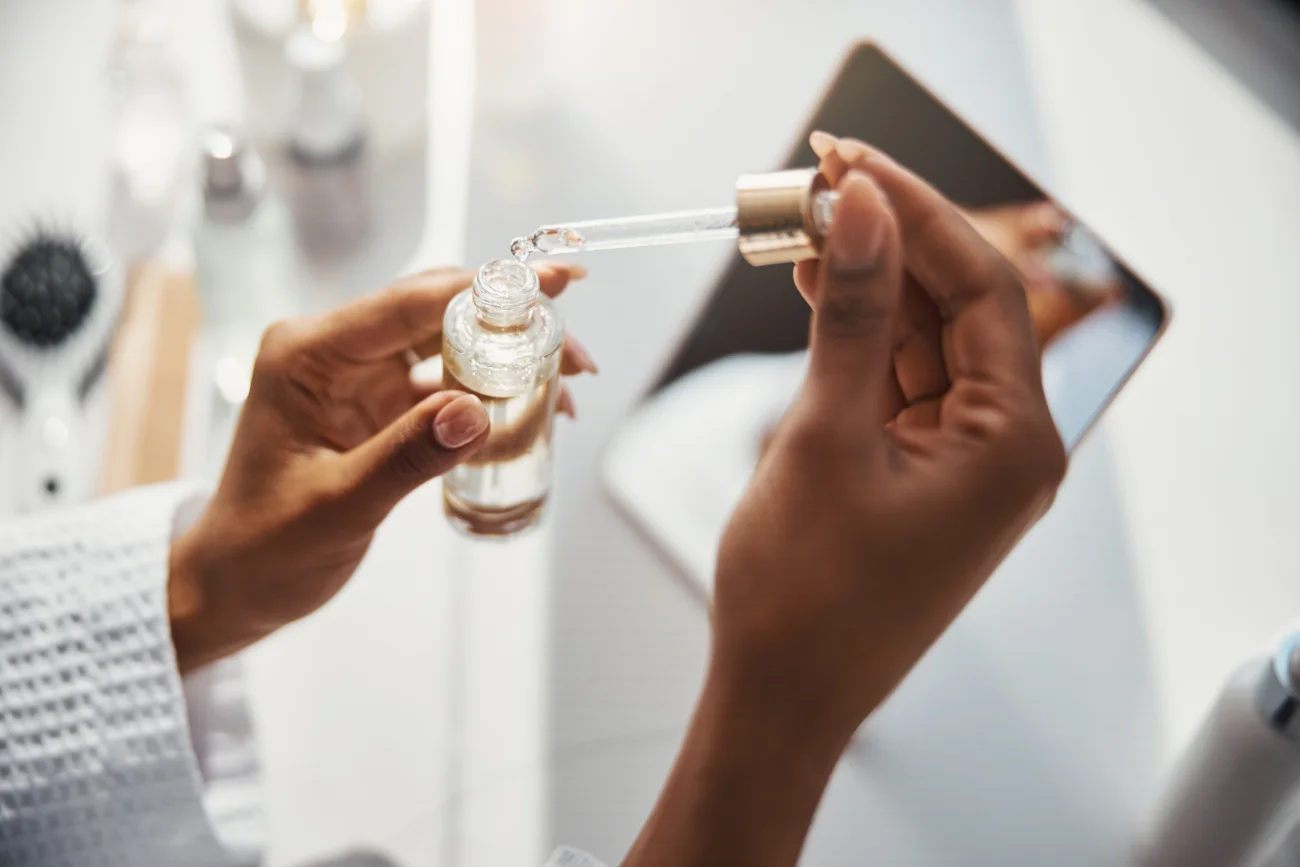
680	227
753	216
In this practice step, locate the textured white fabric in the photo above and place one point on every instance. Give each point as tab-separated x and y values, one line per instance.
221	733
569	857
97	765
106	756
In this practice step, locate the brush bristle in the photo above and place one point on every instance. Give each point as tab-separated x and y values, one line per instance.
47	290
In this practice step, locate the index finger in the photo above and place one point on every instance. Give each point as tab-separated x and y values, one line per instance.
976	291
408	313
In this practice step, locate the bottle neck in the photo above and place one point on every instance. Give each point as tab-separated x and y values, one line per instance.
504	293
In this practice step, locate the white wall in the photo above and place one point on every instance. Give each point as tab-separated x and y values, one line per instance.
1198	185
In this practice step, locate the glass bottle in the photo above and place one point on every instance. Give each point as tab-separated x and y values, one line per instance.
502	342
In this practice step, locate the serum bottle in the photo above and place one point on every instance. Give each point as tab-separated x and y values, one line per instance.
502	342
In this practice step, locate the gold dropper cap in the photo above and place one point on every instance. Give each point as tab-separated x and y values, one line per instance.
774	213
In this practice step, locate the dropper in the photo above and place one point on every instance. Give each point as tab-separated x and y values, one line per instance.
778	217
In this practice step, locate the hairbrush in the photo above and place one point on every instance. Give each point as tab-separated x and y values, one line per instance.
59	301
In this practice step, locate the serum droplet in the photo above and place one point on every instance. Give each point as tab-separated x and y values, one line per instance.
520	248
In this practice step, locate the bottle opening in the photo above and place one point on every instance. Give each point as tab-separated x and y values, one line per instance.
504	292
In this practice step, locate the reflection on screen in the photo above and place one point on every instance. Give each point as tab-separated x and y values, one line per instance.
1094	318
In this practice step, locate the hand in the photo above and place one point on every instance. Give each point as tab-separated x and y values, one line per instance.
1026	234
916	454
332	436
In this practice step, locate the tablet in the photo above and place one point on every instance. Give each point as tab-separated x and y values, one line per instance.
680	461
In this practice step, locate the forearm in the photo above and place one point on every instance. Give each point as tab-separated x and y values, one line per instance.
745	786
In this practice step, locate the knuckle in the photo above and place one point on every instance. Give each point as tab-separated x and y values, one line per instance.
1020	435
281	342
997	272
408	468
393	294
412	460
851	315
820	446
982	413
990	275
922	224
1054	459
1032	450
803	437
399	298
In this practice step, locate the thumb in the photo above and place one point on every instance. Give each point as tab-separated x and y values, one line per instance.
860	278
430	439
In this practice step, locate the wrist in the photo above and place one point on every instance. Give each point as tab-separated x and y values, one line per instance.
794	698
746	784
203	616
797	727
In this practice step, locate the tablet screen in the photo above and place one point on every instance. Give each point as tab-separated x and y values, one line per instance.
682	459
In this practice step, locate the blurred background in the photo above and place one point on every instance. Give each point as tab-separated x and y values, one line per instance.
222	163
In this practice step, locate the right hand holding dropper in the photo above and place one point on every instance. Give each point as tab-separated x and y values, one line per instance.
916	454
919	450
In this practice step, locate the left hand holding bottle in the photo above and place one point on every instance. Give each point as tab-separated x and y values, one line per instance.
332	436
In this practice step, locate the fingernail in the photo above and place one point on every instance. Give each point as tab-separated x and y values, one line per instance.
565	405
822	142
857	236
851	150
570	270
459	422
580	355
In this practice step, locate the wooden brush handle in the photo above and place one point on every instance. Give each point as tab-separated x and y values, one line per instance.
148	372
